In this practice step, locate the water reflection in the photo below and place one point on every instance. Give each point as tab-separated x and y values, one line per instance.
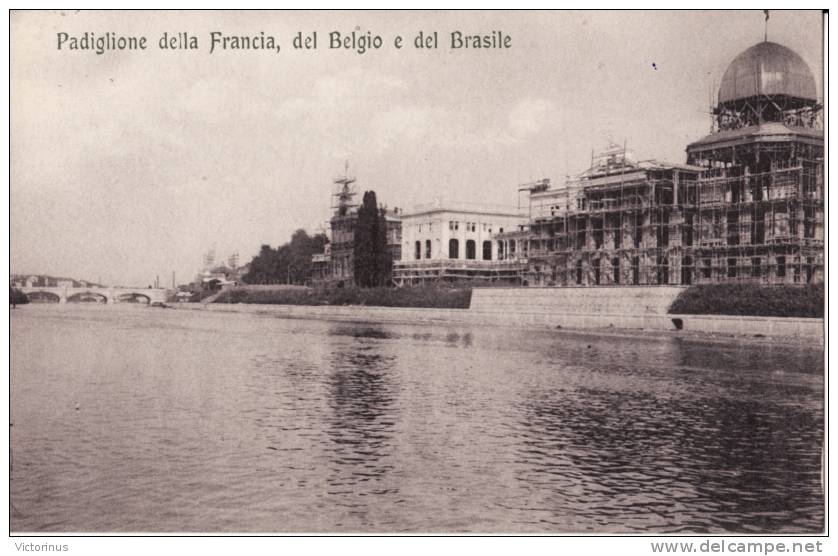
362	397
293	425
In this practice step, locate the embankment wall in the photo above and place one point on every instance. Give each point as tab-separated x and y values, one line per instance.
634	308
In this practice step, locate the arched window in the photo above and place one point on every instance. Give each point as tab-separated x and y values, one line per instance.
427	249
418	253
453	249
471	249
487	250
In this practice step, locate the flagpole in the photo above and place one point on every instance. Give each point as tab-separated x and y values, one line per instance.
766	25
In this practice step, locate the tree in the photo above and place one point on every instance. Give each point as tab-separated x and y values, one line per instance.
287	264
17	297
262	267
372	261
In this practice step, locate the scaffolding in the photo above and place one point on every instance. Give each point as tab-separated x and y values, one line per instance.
654	223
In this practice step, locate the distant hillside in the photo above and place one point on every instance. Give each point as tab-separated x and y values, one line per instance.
45	280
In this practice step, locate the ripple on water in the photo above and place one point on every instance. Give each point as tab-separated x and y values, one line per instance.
213	422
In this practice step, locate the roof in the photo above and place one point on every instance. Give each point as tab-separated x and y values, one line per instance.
767	68
462	208
769	131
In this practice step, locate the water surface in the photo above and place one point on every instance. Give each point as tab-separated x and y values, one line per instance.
140	419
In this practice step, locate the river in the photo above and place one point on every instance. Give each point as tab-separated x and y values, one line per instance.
141	419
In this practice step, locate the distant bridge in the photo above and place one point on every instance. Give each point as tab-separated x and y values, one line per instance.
69	294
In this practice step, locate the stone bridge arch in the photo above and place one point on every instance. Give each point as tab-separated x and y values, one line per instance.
133	297
87	297
43	297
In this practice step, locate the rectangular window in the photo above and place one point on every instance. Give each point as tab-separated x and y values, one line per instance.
635	270
756	267
808	222
733	228
731	268
781	267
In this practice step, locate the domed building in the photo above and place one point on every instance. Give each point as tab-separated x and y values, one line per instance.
758	206
746	207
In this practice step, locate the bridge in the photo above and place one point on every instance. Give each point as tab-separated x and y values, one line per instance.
69	294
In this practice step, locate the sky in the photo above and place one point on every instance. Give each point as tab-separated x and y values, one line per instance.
130	165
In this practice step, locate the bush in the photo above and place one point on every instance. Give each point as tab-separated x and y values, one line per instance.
408	296
17	297
751	300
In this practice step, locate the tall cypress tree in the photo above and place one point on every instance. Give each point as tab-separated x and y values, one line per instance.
370	247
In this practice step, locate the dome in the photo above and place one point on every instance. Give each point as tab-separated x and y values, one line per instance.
767	68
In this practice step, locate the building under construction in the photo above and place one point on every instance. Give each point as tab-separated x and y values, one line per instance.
747	206
337	264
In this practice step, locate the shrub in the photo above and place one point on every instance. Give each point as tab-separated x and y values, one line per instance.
751	300
408	296
17	297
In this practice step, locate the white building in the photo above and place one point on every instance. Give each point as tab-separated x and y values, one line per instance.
453	241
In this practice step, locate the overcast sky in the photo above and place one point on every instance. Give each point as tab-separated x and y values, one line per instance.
129	165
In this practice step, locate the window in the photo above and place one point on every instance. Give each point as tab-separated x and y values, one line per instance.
579	272
615	265
417	254
637	232
501	254
663	269
596	225
453	249
756	267
635	270
781	267
427	249
499	231
733	228
707	268
808	222
662	231
596	271
687	271
731	268
687	230
471	249
487	250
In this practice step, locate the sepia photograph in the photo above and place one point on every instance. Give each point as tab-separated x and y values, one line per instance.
418	273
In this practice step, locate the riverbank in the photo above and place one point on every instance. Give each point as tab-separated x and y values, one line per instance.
724	329
426	296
